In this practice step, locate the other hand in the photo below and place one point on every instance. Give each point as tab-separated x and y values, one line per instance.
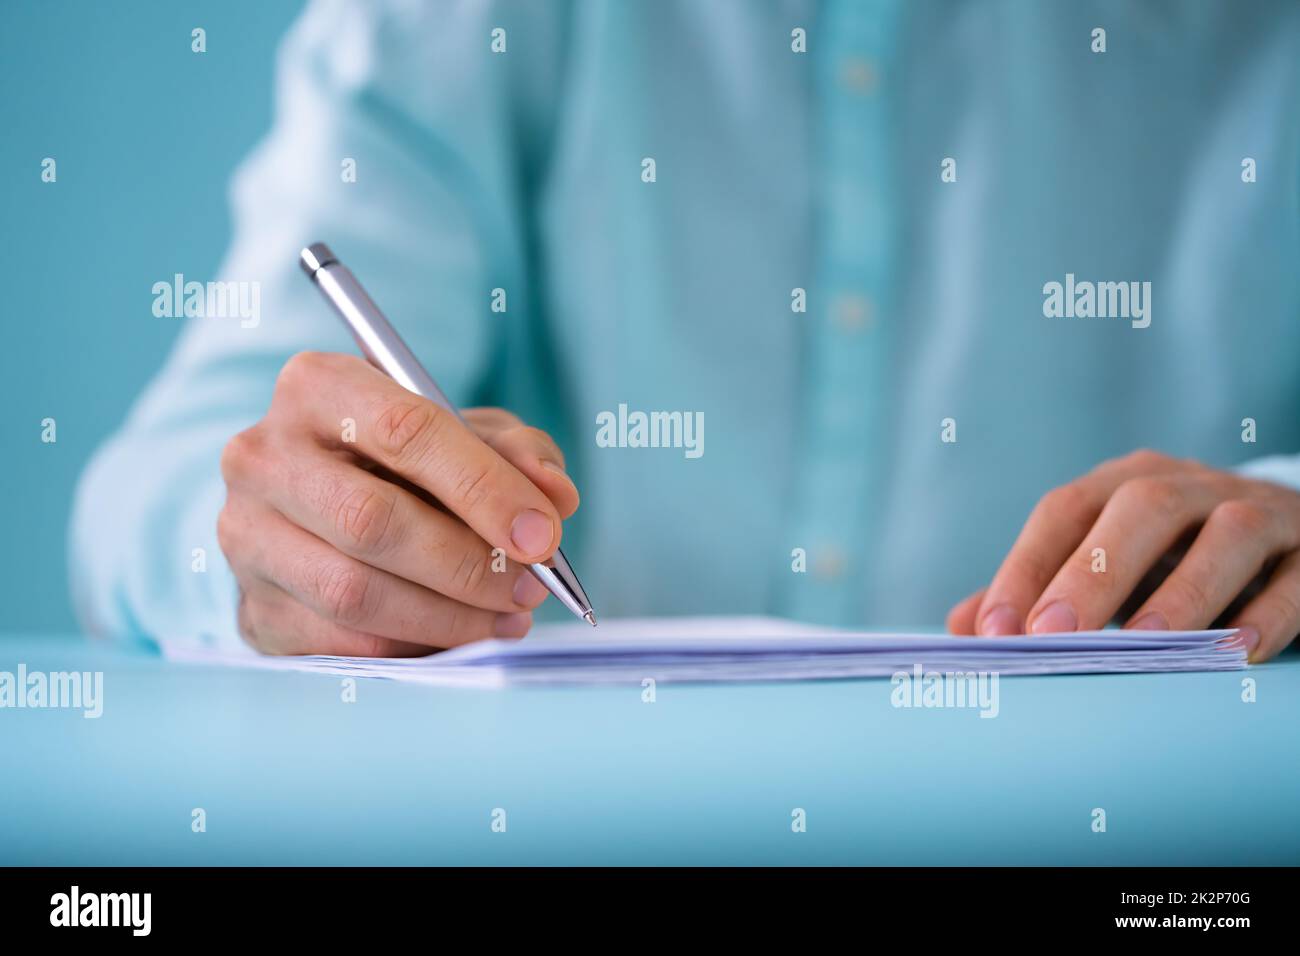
1182	545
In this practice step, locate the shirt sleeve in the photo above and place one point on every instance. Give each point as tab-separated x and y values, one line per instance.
402	139
1279	469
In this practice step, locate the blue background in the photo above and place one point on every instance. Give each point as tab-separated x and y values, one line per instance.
146	134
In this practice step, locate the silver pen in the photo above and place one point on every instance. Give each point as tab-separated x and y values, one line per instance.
385	349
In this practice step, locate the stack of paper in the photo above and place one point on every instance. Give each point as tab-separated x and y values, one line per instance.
765	649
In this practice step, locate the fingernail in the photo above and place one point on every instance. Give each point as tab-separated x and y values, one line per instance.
528	591
1250	638
1000	622
1057	618
532	532
1150	621
513	625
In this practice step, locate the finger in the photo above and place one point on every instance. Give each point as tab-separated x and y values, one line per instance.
274	623
352	594
387	527
1272	620
489	418
961	619
1143	519
1239	536
1053	530
1056	525
425	444
539	459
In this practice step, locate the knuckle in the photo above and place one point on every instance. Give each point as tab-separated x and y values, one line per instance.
471	488
1064	500
239	455
363	519
344	591
466	624
227	530
1068	505
455	625
1190	595
1287	604
301	370
1145	458
1286	611
472	572
1242	518
1155	494
405	431
1031	566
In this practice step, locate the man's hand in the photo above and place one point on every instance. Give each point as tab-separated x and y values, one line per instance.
361	519
1183	546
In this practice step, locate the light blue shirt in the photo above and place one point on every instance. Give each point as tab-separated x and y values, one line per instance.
922	173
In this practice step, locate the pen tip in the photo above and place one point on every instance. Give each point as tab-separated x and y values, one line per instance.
590	618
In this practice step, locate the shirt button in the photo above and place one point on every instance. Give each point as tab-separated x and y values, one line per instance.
852	313
858	75
829	563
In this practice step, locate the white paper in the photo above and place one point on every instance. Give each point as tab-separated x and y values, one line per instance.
760	649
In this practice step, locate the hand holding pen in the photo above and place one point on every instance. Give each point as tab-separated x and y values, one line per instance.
364	520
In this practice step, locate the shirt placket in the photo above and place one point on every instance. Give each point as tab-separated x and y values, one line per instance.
845	387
